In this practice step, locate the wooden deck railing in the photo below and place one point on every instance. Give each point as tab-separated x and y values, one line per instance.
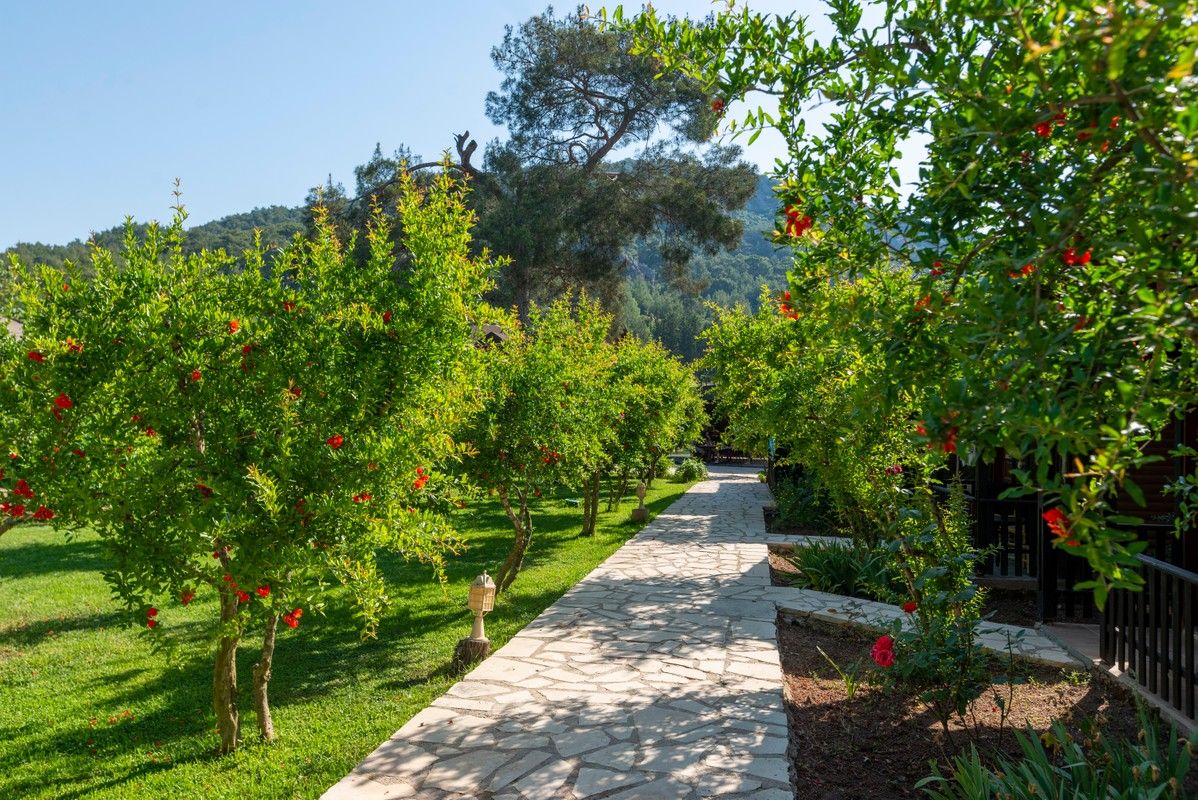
1152	635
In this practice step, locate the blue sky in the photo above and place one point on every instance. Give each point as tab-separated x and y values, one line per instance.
248	103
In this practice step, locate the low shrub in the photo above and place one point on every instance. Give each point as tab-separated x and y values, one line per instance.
692	469
1058	765
849	568
802	503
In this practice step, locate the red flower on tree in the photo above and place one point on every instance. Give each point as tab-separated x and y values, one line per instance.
205	491
196	375
292	619
797	223
16	510
717	106
1071	258
263	591
1042	129
937	268
187	596
36	356
387	317
64	402
1057	519
910	606
243	596
335	442
22	490
43	514
151	623
234	325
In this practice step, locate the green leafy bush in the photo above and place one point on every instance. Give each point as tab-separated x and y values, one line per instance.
852	569
803	503
1057	765
692	469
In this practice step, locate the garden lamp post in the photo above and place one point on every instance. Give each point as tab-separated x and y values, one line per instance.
477	646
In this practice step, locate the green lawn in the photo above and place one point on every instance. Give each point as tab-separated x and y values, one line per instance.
87	709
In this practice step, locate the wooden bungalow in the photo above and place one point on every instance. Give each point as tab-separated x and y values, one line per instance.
1149	635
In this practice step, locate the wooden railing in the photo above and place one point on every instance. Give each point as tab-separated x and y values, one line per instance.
1007	532
1152	635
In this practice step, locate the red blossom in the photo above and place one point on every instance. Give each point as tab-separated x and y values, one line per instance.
1114	122
883	651
23	490
335	441
387	317
78	452
288	306
910	606
296	391
263	591
35	356
1042	129
43	514
290	621
74	346
205	491
151	612
923	302
1057	519
894	469
187	596
950	443
234	325
1060	118
196	375
717	106
797	223
16	510
64	402
246	349
151	623
151	432
297	613
243	596
937	268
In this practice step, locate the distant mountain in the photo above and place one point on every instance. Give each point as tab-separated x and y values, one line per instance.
656	304
234	233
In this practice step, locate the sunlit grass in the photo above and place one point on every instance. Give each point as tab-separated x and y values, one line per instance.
87	709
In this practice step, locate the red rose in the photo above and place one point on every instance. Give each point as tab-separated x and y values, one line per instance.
883	651
43	514
335	441
234	325
36	356
263	591
195	375
64	402
910	606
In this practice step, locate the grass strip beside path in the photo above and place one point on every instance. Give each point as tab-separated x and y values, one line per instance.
87	709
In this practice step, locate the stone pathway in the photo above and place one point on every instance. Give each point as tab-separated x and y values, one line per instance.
657	676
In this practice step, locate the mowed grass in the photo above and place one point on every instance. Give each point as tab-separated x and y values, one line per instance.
89	709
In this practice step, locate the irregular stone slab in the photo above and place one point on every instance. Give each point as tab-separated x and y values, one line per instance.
656	677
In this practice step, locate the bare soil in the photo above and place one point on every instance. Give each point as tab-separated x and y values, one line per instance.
877	745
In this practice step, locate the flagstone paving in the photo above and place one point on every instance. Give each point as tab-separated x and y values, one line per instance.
657	676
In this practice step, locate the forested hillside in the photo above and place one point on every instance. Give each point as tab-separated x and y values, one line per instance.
655	305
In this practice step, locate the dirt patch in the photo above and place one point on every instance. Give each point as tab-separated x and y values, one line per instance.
877	745
782	570
1010	606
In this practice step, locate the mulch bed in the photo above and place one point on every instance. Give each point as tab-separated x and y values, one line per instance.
878	745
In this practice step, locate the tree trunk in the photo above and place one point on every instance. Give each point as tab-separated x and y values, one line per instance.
521	521
590	497
618	489
266	725
224	676
652	473
8	523
523	298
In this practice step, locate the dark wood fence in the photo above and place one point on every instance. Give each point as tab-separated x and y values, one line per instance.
1151	633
